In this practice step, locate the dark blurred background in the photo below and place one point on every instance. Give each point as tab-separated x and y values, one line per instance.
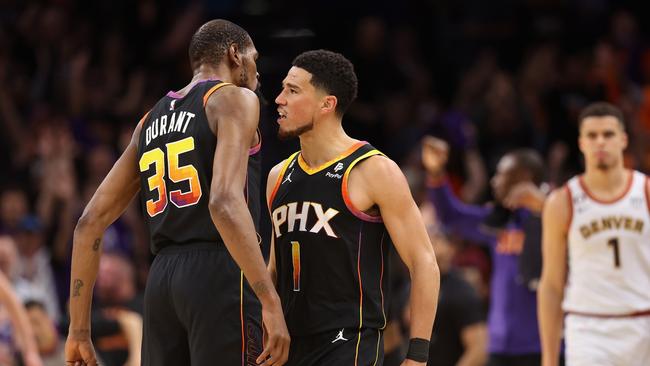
485	76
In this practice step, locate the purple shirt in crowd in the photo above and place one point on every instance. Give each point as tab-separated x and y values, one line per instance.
512	319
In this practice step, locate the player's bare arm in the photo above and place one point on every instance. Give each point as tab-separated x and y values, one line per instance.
107	204
555	218
271	182
378	182
20	323
235	112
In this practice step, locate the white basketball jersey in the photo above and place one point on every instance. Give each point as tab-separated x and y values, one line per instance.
609	251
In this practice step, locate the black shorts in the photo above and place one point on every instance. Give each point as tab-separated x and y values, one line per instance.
199	310
345	347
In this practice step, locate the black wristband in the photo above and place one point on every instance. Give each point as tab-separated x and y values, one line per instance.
418	350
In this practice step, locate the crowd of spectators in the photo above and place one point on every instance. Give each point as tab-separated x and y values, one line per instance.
486	77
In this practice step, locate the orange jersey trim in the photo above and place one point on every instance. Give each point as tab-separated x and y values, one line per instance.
611	316
311	171
630	179
279	180
570	199
346	194
143	118
207	95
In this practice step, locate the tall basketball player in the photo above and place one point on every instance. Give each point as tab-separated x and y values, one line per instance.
337	206
194	157
596	249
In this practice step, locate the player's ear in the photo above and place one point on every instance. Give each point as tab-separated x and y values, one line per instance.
329	104
234	55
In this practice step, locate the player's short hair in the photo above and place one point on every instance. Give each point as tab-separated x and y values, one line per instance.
531	161
211	41
602	109
331	72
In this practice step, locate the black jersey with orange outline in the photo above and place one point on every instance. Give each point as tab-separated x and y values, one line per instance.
175	159
331	258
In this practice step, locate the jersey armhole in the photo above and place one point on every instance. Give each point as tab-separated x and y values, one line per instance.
570	202
255	149
207	95
346	194
140	125
141	122
279	180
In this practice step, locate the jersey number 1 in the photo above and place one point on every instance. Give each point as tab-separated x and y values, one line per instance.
295	258
613	242
177	174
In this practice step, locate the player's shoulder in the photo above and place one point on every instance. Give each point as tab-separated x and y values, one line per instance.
277	170
230	95
381	178
559	199
641	175
378	167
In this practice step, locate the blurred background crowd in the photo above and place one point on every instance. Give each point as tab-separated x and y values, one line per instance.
486	77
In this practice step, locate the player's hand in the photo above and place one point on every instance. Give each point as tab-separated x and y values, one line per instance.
79	352
276	344
525	195
32	359
435	153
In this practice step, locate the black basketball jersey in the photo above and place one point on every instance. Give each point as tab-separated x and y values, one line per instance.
175	157
331	258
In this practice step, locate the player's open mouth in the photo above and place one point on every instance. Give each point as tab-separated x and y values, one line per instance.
281	116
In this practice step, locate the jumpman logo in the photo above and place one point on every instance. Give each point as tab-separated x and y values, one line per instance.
339	337
288	178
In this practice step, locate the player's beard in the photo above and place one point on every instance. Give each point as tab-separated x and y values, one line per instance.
243	78
604	165
287	135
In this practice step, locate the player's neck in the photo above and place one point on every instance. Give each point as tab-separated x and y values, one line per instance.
606	180
324	142
208	72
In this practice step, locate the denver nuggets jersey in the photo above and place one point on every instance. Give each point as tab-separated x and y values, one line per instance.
175	157
331	258
609	251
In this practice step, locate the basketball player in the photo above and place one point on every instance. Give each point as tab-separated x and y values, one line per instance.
598	229
337	206
195	158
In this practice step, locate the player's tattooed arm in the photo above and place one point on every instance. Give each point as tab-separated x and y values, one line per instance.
96	244
76	287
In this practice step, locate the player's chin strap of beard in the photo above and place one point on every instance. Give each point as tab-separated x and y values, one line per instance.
418	350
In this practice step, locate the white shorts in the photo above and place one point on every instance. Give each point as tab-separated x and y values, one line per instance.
592	341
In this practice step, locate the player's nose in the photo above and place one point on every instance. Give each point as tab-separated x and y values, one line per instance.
280	99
